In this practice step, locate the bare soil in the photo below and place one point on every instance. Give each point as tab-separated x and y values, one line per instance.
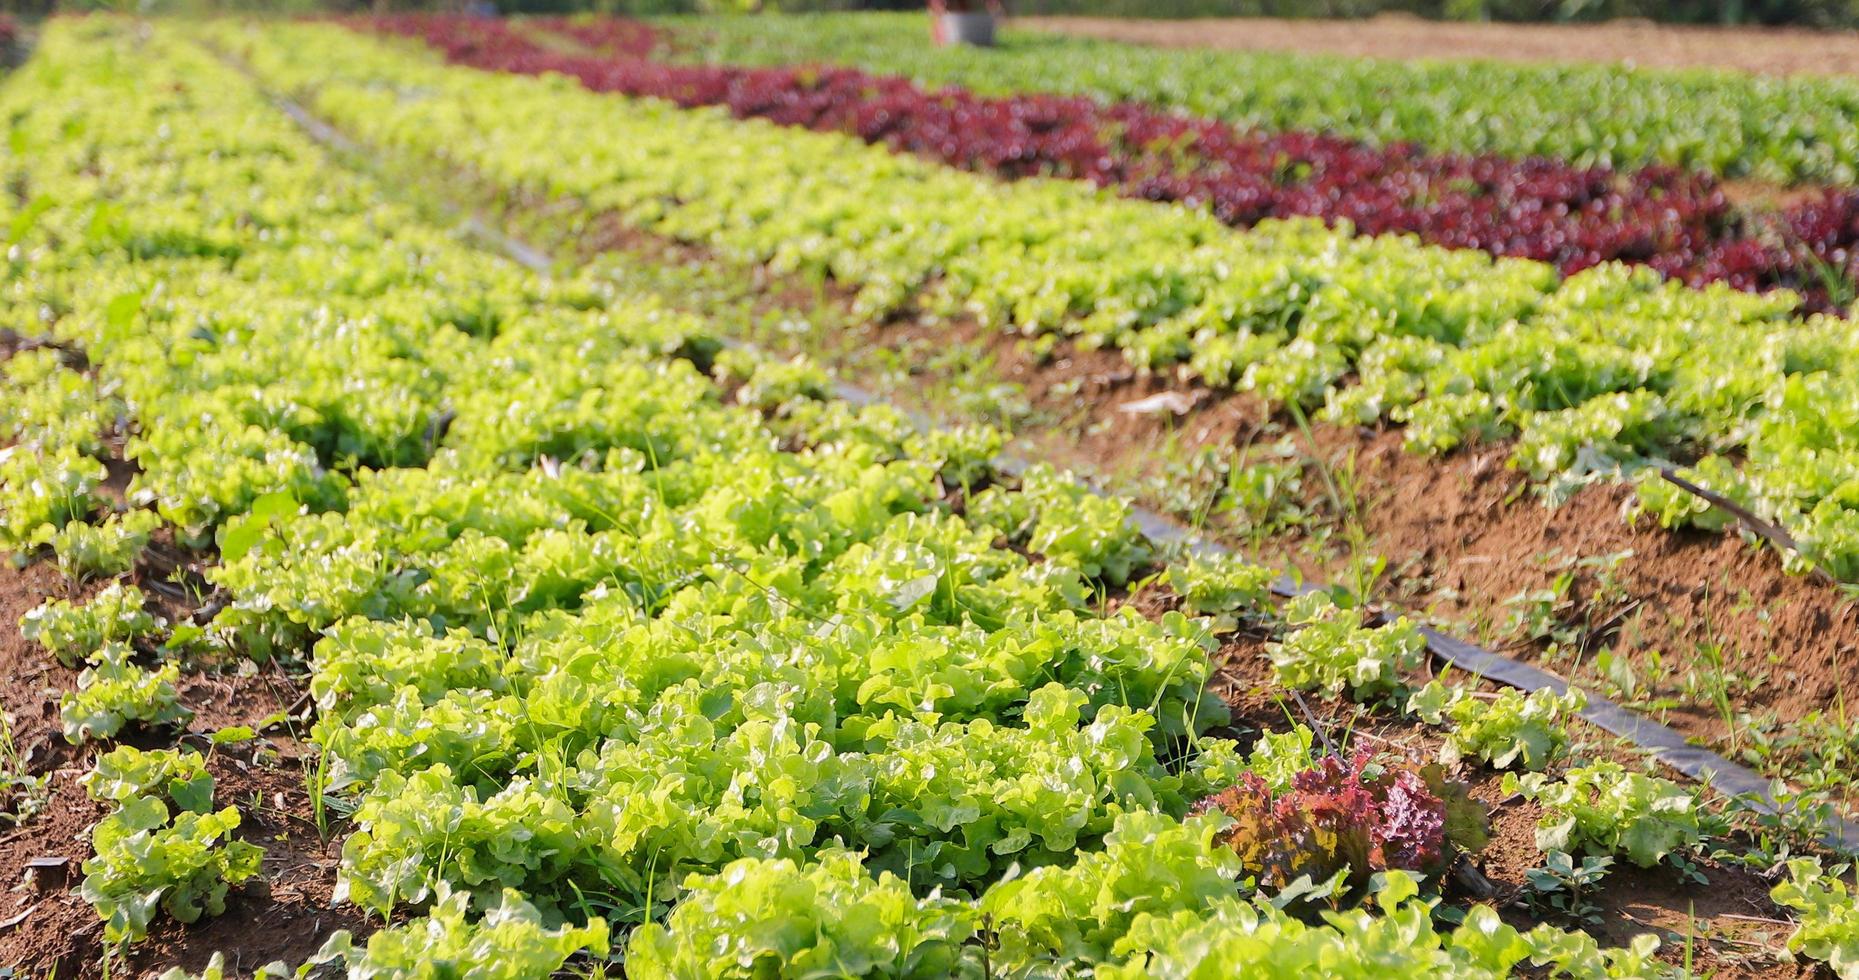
47	929
1762	50
44	929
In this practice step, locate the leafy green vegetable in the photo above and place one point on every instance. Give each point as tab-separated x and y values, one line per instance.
1221	584
760	918
126	772
1057	516
1234	938
74	633
110	548
1509	728
113	691
1331	651
1829	925
1149	866
146	861
1603	809
962	455
41	492
510	941
48	406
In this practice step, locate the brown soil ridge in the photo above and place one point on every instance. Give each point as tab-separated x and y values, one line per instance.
1757	50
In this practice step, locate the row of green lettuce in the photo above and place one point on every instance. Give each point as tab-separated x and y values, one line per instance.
630	649
1593	376
1776	129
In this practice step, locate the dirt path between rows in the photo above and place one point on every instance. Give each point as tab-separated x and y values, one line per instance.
1765	50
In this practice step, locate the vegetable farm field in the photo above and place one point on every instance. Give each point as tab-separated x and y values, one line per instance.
762	496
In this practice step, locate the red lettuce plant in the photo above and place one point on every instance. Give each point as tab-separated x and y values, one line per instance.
1353	816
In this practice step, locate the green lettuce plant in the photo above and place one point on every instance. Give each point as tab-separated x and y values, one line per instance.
146	860
509	941
113	691
1507	729
74	633
1604	809
1330	650
1828	926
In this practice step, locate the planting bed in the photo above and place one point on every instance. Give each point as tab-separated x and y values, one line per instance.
388	605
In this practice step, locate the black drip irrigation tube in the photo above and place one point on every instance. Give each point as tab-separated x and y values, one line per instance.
1659	741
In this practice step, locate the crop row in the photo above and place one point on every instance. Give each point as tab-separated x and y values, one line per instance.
1731	124
1679	223
612	630
612	36
1591	374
